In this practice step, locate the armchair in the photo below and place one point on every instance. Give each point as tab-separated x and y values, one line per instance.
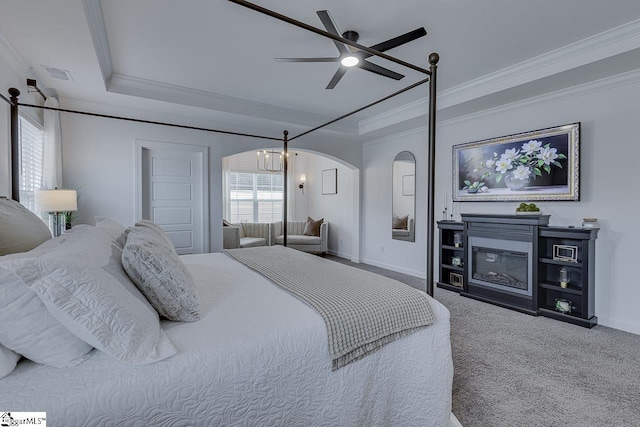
297	240
405	233
246	235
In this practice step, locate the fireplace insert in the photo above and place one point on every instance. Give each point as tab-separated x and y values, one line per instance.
501	259
501	269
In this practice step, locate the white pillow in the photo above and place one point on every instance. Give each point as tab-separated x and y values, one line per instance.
8	361
112	228
20	229
29	329
100	309
83	285
158	272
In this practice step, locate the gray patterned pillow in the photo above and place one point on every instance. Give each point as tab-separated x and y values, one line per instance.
153	265
155	227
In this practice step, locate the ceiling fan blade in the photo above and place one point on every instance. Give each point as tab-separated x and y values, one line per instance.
336	77
333	29
397	41
307	59
370	66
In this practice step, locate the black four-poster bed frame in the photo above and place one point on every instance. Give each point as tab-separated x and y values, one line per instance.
431	73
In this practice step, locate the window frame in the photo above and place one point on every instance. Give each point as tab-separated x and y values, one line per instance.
255	199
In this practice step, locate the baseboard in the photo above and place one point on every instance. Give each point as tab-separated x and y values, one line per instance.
339	254
453	421
622	326
414	273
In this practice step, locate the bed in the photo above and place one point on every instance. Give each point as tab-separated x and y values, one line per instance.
257	356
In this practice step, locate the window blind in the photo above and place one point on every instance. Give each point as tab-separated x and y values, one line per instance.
254	197
31	153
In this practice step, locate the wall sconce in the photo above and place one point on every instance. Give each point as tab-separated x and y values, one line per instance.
303	179
56	202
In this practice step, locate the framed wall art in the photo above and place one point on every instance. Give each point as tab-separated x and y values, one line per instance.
538	165
408	185
330	181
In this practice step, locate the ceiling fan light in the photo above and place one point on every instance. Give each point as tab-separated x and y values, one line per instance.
349	61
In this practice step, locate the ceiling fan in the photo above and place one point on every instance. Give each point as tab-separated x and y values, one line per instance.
352	57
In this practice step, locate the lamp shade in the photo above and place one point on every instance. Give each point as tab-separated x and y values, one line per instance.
56	200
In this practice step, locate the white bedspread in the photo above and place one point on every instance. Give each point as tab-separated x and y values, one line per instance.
258	357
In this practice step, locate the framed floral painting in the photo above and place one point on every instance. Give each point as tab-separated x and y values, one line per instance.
537	165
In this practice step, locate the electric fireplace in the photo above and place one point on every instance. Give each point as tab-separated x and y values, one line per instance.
502	265
501	254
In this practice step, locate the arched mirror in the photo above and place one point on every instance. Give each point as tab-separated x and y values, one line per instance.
404	197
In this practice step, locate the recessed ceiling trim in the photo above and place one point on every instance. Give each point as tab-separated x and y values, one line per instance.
609	43
9	54
604	84
20	66
134	86
95	19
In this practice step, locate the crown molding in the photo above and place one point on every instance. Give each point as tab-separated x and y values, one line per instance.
604	84
389	138
404	112
160	91
134	86
170	118
607	83
20	67
600	46
12	58
95	20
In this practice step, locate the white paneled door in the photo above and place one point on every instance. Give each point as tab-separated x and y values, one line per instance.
173	192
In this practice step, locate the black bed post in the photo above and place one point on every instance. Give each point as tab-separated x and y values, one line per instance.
284	195
431	171
15	145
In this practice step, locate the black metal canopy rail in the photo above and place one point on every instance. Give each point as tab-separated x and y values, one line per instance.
431	72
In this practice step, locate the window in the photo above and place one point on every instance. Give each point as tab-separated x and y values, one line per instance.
254	197
31	154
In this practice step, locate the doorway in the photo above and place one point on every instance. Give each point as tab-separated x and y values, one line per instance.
172	191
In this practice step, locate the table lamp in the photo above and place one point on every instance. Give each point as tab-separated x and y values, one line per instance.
56	202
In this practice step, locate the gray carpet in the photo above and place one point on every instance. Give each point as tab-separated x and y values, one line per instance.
512	369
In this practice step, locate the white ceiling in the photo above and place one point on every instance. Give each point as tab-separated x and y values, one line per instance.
210	62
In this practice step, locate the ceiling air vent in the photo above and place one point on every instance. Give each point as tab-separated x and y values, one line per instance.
58	73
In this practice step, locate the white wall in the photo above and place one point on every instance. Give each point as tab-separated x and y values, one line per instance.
378	248
608	111
98	154
338	209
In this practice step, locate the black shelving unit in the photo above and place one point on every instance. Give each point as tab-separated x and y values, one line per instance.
451	276
574	250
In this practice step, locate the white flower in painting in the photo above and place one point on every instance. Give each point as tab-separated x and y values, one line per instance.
510	155
547	155
522	172
490	163
531	146
503	166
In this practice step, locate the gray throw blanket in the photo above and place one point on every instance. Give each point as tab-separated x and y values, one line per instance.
363	311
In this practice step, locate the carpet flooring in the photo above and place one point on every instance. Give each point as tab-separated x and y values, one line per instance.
513	369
